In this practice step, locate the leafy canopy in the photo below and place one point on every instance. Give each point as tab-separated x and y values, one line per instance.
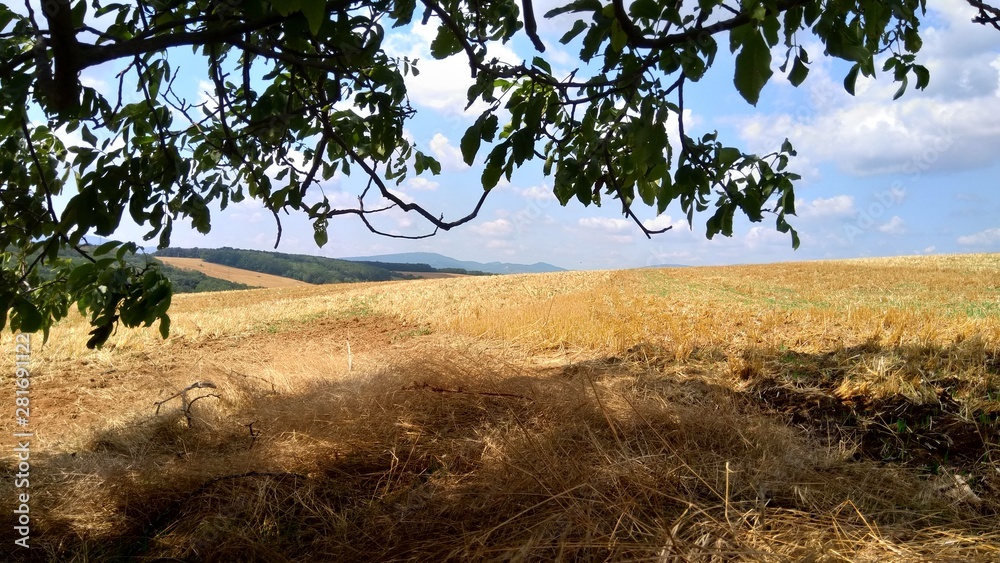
306	87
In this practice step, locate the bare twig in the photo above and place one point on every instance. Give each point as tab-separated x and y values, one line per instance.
185	404
429	387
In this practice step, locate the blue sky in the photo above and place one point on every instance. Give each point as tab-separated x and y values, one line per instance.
914	176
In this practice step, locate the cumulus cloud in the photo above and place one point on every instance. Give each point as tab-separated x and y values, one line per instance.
448	155
420	184
759	236
538	193
832	207
951	125
664	222
988	237
495	228
605	224
442	85
895	226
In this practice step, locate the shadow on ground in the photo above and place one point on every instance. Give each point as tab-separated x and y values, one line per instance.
451	455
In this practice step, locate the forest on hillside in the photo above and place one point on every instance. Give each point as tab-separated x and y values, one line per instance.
183	281
309	269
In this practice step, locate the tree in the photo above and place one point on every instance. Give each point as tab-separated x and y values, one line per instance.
312	77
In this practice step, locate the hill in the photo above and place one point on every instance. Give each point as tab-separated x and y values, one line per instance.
440	261
183	280
302	267
230	274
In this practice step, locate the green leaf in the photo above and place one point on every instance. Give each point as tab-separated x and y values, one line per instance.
106	248
445	44
753	68
79	13
577	6
471	141
902	89
494	166
541	63
6	16
851	79
29	318
649	9
577	29
315	13
402	11
618	37
286	7
923	76
164	326
729	155
799	72
770	26
88	137
320	236
912	40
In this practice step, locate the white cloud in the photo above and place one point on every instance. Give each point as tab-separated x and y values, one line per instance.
895	226
420	184
988	237
498	244
495	228
759	236
950	125
833	207
538	193
664	222
449	156
605	224
442	85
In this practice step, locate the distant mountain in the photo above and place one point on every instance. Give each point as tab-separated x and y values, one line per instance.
436	260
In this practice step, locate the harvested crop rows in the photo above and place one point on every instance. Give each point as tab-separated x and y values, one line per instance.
830	411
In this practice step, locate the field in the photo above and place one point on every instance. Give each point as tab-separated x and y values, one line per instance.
431	275
237	275
823	411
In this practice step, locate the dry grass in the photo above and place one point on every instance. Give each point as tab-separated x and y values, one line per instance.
432	275
841	411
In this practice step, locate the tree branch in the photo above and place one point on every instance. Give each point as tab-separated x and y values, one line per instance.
637	39
530	26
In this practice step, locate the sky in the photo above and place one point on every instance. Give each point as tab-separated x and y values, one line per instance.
879	177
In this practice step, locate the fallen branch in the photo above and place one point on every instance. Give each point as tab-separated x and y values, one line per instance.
429	387
185	404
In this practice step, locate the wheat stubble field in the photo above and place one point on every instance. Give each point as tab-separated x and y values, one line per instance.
829	411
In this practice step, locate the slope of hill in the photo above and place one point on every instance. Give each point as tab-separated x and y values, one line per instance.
230	274
305	268
439	261
184	280
821	411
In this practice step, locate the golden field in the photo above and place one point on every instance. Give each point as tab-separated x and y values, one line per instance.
821	411
228	273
